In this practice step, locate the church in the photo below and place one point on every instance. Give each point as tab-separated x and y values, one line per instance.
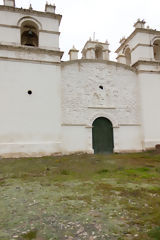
91	105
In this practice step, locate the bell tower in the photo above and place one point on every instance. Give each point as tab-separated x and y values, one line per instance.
142	47
30	60
96	50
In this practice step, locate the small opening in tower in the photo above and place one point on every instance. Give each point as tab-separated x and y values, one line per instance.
156	49
98	53
29	92
128	56
101	87
29	34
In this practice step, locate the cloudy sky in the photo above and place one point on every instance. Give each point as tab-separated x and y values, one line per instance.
109	20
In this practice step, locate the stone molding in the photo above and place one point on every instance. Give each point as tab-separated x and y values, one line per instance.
31	12
93	118
18	27
141	45
29	61
146	62
51	32
148	71
157	37
9	26
72	125
105	115
132	125
28	18
31	49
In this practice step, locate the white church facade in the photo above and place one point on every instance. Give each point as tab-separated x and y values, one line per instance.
49	106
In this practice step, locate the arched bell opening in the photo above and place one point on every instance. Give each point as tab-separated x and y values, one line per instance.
98	53
156	49
128	56
29	34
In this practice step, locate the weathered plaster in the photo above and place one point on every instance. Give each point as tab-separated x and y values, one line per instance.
66	97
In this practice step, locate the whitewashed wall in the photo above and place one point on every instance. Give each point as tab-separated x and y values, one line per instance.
83	101
29	124
68	96
76	139
149	83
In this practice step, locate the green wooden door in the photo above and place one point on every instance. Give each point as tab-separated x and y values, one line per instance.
102	136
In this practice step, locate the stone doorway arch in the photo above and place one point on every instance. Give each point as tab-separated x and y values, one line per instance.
102	136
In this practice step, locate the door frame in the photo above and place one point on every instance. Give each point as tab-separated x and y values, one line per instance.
109	125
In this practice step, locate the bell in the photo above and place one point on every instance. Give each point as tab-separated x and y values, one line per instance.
30	32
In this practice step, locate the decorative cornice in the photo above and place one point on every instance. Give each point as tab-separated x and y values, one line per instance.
129	124
72	124
9	26
89	126
31	49
28	61
141	45
31	12
146	62
149	63
50	32
148	71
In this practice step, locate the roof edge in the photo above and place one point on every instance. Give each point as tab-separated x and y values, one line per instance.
116	64
31	11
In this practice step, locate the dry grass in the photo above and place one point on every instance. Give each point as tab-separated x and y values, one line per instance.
115	197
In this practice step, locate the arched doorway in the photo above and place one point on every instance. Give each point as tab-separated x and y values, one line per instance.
102	135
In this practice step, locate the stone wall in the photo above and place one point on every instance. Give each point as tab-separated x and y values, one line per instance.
92	89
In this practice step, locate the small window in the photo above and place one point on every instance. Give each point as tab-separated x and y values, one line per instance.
29	34
156	49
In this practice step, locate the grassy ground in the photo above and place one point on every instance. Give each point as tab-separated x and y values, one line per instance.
114	197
